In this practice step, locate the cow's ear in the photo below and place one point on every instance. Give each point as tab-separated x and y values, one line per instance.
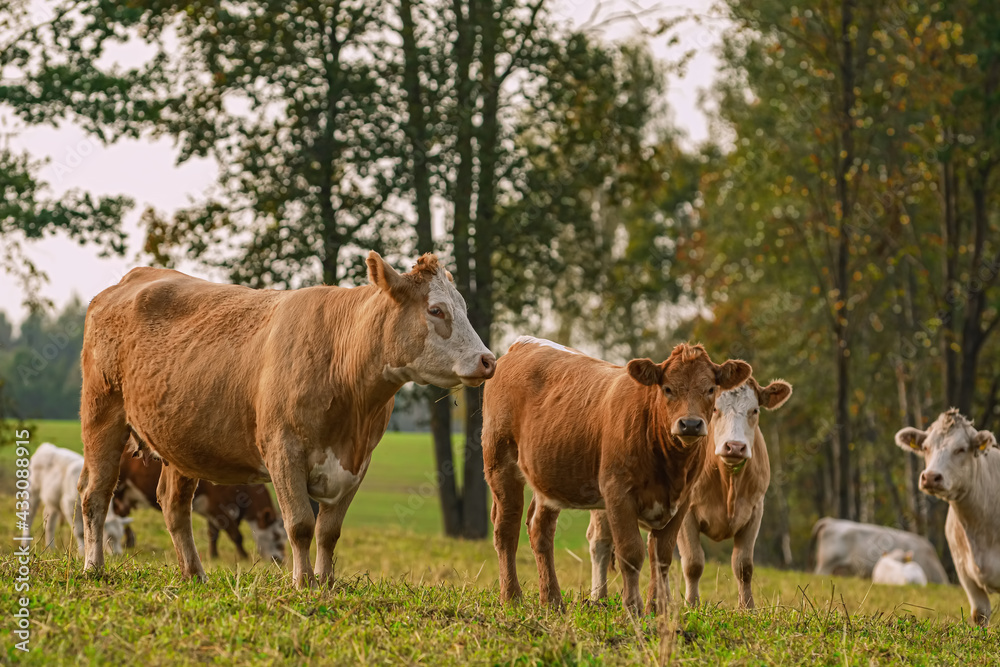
774	395
911	439
732	374
982	441
384	276
644	371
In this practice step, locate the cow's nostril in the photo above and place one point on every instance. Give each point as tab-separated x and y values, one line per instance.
489	362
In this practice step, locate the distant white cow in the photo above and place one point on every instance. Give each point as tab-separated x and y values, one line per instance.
850	548
53	474
963	468
896	568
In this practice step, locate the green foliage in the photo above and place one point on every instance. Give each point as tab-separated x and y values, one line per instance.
41	365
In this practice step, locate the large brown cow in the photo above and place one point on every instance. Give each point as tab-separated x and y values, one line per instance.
963	468
727	501
586	434
239	386
224	506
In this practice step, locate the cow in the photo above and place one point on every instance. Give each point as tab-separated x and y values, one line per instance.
223	506
727	501
587	434
242	386
53	473
963	468
896	568
845	547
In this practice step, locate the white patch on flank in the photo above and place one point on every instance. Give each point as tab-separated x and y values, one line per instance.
329	481
654	513
542	341
656	517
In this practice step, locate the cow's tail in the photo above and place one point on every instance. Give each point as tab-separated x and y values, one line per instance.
813	538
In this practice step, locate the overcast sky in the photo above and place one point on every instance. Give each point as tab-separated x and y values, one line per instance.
146	170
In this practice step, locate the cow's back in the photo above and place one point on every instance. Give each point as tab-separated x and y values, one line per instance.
554	405
186	355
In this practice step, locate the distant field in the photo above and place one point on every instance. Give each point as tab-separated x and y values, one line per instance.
399	489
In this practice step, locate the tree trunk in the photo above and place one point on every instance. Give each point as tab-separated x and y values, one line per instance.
438	400
845	508
476	524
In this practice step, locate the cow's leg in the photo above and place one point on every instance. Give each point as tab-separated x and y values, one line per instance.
175	493
692	557
105	431
661	554
979	600
624	523
213	540
601	547
233	531
743	544
329	522
542	533
291	488
507	486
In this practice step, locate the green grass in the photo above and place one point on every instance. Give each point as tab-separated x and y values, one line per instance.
406	595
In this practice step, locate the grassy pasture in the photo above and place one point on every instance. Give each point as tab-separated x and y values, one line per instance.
406	595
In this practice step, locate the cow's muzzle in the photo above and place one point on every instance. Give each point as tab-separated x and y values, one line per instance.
734	452
932	482
486	368
690	429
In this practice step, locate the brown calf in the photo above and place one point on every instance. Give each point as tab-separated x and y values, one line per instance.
586	434
224	507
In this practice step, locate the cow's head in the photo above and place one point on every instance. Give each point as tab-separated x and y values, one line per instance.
949	448
269	534
114	532
734	423
689	382
429	339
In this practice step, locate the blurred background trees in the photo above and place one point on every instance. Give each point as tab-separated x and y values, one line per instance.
840	230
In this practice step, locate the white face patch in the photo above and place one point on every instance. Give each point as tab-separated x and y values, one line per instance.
446	362
531	340
329	481
735	419
950	454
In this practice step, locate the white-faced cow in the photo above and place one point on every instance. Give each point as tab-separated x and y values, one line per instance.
963	468
53	473
586	434
239	386
846	548
728	499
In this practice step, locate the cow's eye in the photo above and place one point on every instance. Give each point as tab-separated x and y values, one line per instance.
666	390
755	411
435	311
711	391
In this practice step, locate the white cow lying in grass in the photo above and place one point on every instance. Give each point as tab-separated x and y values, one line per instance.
53	476
897	568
